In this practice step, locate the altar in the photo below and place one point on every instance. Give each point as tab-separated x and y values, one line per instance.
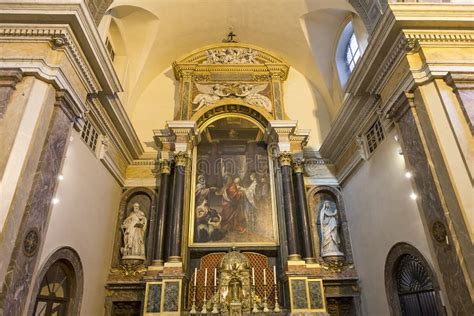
231	227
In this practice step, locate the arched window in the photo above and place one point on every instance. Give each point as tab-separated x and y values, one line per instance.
412	288
55	291
58	289
348	53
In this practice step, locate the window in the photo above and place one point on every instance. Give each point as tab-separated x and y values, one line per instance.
90	135
352	52
54	293
415	288
348	53
374	136
110	49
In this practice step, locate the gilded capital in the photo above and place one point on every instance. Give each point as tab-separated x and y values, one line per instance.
165	166
180	158
298	166
285	158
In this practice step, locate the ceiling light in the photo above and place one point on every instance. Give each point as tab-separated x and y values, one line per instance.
55	201
61	177
408	174
413	196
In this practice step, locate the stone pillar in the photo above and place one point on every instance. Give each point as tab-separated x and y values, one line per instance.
183	133
162	213
302	211
34	222
178	207
289	207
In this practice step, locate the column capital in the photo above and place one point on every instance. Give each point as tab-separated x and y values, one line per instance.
180	158
165	166
285	158
298	165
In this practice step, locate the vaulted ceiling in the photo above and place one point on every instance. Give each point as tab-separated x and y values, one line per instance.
157	32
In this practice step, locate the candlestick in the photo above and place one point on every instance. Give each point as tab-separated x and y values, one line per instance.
193	306
265	299
195	275
215	277
274	275
255	308
253	276
277	306
264	277
204	301
205	277
216	301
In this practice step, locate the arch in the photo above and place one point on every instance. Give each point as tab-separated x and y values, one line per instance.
70	261
395	257
228	107
314	218
127	197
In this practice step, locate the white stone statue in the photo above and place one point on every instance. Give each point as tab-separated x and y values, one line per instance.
330	240
134	227
231	55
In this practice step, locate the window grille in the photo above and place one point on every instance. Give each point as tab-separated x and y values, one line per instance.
89	135
110	49
374	136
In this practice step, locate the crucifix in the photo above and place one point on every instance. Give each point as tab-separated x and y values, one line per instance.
230	37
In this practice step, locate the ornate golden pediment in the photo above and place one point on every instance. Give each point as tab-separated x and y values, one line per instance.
231	62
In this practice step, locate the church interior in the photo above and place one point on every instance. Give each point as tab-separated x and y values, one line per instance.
236	157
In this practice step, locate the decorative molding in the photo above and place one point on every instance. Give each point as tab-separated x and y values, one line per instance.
60	37
285	158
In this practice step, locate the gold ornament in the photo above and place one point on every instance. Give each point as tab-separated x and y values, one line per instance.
285	158
180	158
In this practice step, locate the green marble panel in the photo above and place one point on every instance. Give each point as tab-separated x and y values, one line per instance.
299	296
153	298
171	299
315	295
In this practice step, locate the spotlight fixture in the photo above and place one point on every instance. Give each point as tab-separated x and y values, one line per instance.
55	201
413	196
408	174
60	177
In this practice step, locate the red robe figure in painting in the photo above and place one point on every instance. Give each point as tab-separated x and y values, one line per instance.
232	212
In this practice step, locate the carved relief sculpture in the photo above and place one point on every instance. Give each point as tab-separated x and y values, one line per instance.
330	240
134	227
250	93
231	55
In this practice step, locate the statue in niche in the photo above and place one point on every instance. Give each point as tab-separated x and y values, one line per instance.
133	228
330	240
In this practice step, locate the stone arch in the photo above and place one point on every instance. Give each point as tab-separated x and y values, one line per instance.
395	255
72	261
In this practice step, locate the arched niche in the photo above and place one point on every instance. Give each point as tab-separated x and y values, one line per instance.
406	268
232	187
316	197
65	263
146	197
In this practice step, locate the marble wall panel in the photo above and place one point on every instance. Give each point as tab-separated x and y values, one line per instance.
171	296
432	211
23	261
298	294
315	295
153	304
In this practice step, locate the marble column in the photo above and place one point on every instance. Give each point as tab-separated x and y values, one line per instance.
302	211
289	206
34	222
162	213
178	206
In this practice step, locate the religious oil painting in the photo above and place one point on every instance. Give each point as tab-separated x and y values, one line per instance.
232	188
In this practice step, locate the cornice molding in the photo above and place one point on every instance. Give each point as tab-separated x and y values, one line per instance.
404	29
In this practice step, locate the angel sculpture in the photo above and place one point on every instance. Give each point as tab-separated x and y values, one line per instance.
209	94
250	94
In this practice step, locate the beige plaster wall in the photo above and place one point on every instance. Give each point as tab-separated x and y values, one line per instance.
159	101
380	214
304	103
155	106
85	219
